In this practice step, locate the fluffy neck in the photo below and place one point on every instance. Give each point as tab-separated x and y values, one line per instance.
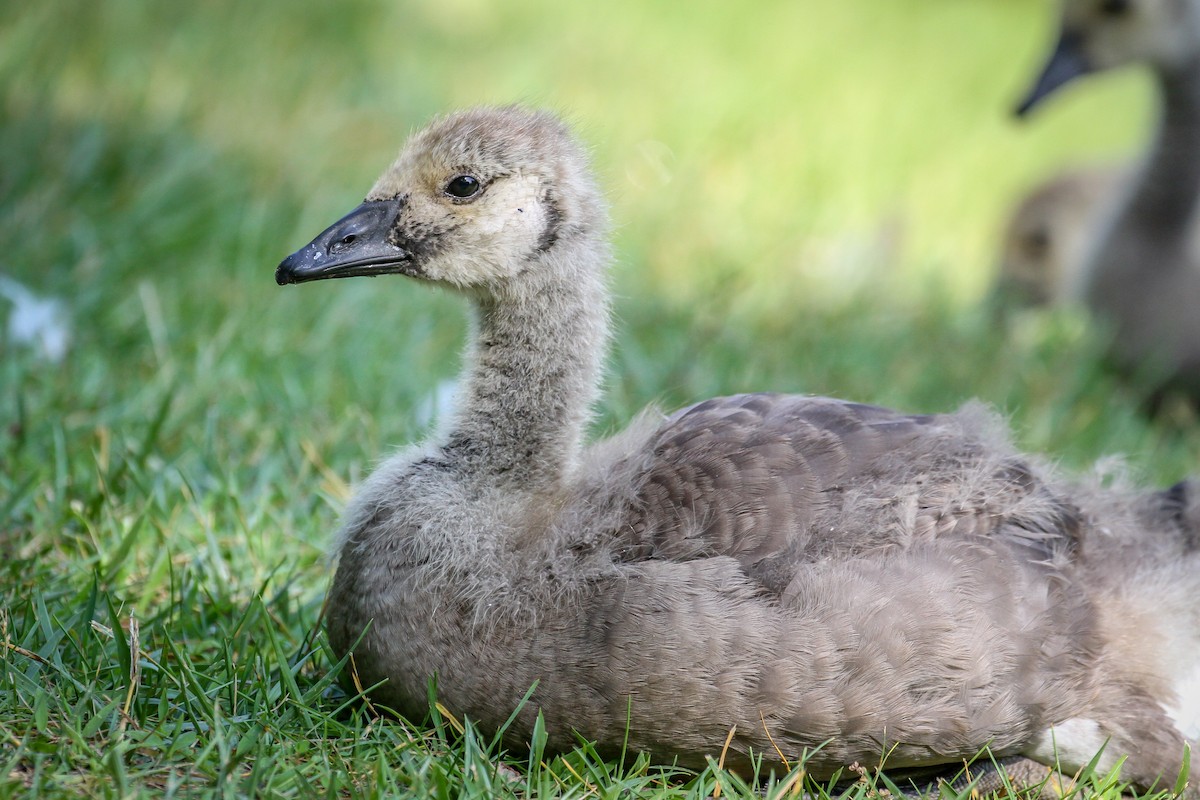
532	373
1164	201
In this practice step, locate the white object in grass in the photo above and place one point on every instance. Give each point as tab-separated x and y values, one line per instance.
42	323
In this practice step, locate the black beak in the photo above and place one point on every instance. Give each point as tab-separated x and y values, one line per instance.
1067	62
357	244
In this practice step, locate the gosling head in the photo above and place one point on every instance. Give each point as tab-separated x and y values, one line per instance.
1029	270
474	201
1046	240
1103	34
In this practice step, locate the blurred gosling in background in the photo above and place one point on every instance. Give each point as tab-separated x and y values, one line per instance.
1141	276
1045	243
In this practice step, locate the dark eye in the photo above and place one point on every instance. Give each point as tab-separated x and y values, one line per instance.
1114	8
463	186
1037	242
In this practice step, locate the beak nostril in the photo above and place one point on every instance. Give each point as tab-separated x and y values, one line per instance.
341	244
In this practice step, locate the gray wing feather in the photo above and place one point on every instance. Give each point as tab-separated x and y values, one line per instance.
773	480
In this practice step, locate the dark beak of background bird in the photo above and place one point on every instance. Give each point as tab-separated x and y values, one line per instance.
357	244
1068	61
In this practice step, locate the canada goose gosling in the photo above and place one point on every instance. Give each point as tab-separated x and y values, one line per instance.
821	578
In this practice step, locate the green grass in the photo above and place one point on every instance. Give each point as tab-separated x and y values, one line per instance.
806	198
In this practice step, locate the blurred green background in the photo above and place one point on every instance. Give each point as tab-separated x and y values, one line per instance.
792	146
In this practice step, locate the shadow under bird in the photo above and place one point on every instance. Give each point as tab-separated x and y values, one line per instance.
815	576
1141	274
